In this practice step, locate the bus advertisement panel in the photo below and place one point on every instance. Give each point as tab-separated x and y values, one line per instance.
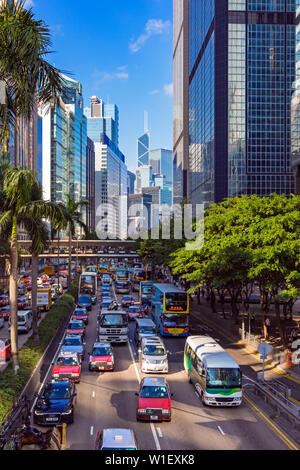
213	372
170	310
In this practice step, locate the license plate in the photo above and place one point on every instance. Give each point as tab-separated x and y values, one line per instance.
51	419
101	368
154	418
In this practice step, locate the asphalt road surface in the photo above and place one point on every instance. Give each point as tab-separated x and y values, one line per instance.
107	399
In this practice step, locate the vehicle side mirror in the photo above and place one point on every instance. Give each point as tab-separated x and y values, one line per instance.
136	393
172	394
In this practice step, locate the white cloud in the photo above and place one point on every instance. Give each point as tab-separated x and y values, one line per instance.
154	92
101	77
168	89
57	30
152	28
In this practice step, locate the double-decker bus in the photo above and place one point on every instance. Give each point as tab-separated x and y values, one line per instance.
122	281
170	310
138	275
88	285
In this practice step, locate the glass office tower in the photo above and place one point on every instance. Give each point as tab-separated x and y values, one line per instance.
180	100
241	74
102	119
143	148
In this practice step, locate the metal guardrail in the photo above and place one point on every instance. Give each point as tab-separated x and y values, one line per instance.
275	394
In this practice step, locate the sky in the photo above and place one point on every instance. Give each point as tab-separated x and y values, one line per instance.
121	51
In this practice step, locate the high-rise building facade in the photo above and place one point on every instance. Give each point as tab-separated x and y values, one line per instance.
241	74
102	119
180	100
64	146
143	148
295	118
90	184
111	189
130	182
161	162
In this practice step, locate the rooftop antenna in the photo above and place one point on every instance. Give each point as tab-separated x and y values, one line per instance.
146	122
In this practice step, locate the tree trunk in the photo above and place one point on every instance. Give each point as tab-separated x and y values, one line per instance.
262	311
213	301
278	320
70	262
34	276
13	295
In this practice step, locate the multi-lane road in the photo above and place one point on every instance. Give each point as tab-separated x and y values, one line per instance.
108	399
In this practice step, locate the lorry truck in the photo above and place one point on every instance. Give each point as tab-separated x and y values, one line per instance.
113	326
44	299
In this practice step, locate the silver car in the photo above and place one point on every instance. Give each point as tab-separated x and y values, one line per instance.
116	439
153	356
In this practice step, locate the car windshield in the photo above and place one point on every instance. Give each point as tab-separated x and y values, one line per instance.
223	378
75	325
154	350
85	300
67	361
113	320
102	351
154	392
56	392
134	309
72	342
127	297
147	330
80	313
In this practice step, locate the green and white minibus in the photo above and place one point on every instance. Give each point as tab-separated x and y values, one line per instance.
215	374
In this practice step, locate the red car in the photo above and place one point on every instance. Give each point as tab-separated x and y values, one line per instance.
102	357
76	327
81	314
5	312
5	349
67	366
28	287
22	303
135	311
154	400
4	300
27	280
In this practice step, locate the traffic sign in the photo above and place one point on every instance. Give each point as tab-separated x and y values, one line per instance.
264	349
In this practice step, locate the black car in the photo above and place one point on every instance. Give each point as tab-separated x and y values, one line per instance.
55	404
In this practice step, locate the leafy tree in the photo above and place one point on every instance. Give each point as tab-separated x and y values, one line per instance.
246	238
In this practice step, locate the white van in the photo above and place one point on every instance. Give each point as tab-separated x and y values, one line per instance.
153	356
214	373
24	321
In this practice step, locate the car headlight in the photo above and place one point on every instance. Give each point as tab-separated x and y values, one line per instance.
166	412
142	411
55	375
38	413
67	412
75	375
110	363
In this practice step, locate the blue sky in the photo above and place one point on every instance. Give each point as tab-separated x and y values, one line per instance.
119	50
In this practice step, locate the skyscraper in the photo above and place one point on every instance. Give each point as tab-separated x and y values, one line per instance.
241	71
161	162
181	100
64	146
143	147
102	119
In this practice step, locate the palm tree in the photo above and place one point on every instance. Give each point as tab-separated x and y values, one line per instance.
20	205
39	234
28	78
73	216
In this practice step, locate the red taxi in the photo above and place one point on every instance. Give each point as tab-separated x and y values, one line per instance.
22	303
67	366
76	327
5	349
135	311
4	300
102	357
5	312
154	400
81	314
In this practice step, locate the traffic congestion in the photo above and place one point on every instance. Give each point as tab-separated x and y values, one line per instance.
133	369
